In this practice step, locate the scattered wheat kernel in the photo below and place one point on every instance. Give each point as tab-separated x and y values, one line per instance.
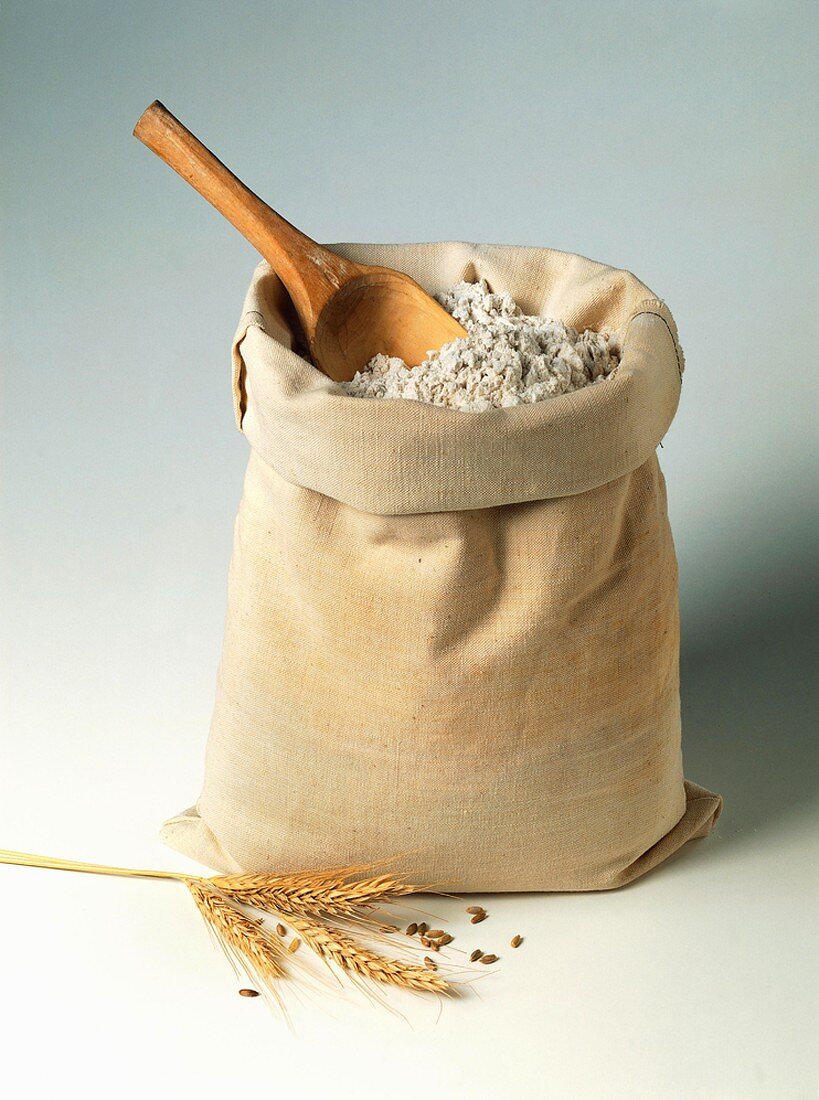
435	933
476	954
478	918
412	929
248	993
423	928
445	939
294	945
429	963
475	909
281	930
433	946
516	941
489	958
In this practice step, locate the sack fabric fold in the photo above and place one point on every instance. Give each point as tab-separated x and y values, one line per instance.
452	638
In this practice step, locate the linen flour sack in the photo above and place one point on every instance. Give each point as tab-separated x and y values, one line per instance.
452	637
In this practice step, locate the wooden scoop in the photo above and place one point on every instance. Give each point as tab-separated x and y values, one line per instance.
349	312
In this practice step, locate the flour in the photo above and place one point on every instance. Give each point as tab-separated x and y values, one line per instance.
507	358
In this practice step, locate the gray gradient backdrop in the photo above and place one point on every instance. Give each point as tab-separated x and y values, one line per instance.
675	140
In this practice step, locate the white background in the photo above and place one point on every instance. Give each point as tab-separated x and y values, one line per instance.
672	140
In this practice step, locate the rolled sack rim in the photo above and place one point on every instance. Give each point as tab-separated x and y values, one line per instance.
395	456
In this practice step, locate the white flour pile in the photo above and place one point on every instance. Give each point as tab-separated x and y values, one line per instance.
506	358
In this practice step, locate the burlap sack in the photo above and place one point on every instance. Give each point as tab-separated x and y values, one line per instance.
452	638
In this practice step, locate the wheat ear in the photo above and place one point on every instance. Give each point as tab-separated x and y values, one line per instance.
335	946
263	952
313	893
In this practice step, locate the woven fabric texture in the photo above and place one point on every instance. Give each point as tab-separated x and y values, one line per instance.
452	638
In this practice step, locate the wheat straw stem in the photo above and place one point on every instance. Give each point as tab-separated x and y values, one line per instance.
51	863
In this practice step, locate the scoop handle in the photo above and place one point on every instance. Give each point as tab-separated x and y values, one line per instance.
312	274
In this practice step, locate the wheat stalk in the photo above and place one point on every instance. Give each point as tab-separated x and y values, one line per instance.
349	893
337	947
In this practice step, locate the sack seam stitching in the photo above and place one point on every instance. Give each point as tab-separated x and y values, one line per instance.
674	341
